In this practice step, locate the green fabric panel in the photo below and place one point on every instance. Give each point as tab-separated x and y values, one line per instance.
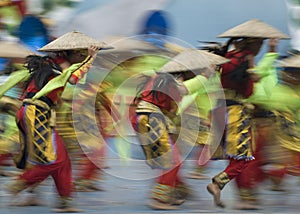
14	79
195	84
57	82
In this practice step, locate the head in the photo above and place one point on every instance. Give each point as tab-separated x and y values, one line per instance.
249	43
183	75
41	69
75	56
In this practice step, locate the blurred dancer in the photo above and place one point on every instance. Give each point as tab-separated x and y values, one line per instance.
42	151
9	104
158	97
263	128
92	151
238	85
277	136
197	119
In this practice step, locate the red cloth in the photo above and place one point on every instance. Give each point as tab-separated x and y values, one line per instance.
5	159
164	99
88	169
235	167
253	174
243	86
53	95
171	177
60	170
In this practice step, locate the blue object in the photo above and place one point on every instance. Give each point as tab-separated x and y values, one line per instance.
155	28
3	63
33	33
156	22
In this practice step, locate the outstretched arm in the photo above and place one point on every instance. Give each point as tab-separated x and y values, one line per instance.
80	72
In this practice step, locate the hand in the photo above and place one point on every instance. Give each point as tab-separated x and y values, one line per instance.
93	50
273	44
251	61
254	77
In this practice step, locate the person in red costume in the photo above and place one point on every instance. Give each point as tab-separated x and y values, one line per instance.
42	152
158	97
92	155
238	78
238	85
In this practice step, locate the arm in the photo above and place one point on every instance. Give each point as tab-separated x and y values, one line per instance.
84	67
193	85
265	66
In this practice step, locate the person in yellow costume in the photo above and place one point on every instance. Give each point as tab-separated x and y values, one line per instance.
42	152
262	122
9	104
238	84
159	96
197	118
277	131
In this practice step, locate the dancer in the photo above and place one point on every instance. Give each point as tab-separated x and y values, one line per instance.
238	85
158	98
263	127
42	151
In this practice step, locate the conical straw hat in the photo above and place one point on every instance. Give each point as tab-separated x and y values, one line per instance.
125	44
193	59
73	41
291	62
254	28
9	49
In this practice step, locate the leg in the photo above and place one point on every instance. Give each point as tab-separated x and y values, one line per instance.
202	156
234	168
163	192
251	177
89	171
30	177
63	180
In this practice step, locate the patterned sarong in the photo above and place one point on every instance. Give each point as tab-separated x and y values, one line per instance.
238	133
36	138
193	131
288	131
154	139
153	129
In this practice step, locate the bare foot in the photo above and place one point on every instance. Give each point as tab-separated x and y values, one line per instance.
247	205
157	205
216	192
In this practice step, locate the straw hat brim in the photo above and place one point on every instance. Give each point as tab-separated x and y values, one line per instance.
73	41
13	50
192	59
254	28
291	62
125	44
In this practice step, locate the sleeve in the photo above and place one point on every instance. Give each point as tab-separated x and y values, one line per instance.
267	71
195	84
236	58
84	67
266	66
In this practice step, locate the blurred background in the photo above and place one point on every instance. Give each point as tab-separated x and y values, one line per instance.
185	23
190	21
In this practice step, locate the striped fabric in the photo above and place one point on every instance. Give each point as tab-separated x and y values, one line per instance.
162	193
238	137
154	139
38	137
